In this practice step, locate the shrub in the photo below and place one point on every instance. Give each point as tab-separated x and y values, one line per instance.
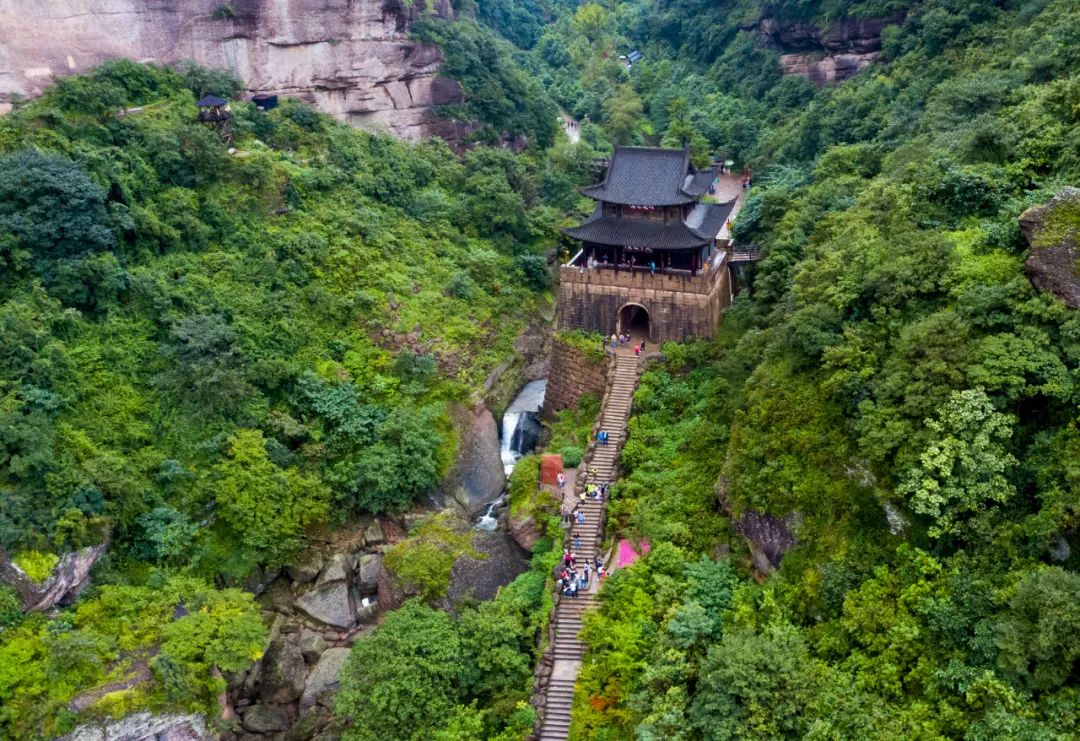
10	609
36	565
421	564
571	456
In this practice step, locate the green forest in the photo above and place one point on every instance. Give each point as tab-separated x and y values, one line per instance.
210	351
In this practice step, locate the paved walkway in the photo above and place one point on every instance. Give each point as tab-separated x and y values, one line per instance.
568	648
729	187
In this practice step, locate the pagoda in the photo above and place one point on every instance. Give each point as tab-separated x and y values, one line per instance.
651	260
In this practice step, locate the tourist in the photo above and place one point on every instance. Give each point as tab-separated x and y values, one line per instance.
603	491
643	346
573	559
580	517
652	268
566	557
614	341
573	587
600	573
599	562
583	581
577	545
560	479
637	350
565	514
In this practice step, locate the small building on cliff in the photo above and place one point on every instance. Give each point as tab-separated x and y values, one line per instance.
650	262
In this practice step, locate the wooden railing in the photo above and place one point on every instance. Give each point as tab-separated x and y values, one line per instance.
638	277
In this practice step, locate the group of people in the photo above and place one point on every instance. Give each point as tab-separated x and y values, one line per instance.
622	340
576	517
572	579
601	437
597	492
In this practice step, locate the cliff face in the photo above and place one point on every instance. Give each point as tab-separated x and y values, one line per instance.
833	54
349	58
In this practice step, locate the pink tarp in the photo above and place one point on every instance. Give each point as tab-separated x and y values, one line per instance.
626	554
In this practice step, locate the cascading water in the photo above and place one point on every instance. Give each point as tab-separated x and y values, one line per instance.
489	520
521	424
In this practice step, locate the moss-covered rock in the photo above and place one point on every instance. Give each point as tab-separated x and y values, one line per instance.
1051	231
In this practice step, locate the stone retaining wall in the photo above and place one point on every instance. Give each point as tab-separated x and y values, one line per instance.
573	374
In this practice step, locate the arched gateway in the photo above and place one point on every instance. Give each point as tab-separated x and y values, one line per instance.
634	320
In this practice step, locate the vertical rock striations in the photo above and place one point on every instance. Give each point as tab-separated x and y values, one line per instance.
350	58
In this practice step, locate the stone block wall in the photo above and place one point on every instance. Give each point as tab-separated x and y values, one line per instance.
678	307
573	374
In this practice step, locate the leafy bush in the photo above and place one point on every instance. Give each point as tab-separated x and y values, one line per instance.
36	565
421	563
10	608
571	456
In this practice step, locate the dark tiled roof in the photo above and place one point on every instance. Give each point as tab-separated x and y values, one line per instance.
707	218
698	184
633	233
701	227
645	176
211	101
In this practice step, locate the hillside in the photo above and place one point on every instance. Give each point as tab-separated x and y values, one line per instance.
862	496
883	438
210	350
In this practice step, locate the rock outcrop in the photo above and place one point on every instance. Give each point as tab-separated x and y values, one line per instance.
143	727
67	580
833	54
480	477
1052	231
350	58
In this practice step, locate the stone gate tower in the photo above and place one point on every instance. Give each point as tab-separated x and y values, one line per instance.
650	263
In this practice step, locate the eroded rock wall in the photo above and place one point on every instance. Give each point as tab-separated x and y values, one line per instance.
350	58
825	55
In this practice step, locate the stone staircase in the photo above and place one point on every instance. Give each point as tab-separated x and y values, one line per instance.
600	467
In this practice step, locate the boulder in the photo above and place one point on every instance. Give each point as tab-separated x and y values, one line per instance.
1053	264
279	597
374	534
282	672
259	579
311	722
324	675
525	531
551	466
480	466
330	604
306	568
367	609
368	568
265	719
338	569
311	646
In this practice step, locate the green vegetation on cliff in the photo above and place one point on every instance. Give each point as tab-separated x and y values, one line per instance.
208	350
894	406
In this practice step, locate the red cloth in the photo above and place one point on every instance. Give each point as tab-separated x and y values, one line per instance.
626	554
550	468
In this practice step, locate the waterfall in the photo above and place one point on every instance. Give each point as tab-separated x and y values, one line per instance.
521	424
489	520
